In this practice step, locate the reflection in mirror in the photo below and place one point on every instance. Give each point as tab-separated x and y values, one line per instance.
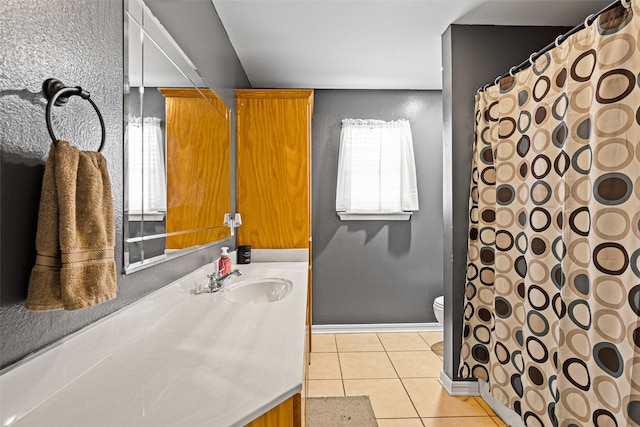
176	148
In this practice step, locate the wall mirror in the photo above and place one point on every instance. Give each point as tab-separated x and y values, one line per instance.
177	155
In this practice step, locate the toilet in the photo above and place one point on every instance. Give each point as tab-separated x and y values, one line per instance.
438	308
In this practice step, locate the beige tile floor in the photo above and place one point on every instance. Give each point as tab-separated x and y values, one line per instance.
399	372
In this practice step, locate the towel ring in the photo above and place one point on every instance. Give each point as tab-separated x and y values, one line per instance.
58	94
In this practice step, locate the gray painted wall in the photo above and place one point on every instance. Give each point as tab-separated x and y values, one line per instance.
41	39
472	57
377	271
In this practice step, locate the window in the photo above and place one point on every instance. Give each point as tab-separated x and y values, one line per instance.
147	190
376	170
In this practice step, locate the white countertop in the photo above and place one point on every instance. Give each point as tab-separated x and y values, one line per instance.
206	362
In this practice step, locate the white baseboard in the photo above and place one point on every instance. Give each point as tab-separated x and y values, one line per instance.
458	388
377	327
511	418
480	388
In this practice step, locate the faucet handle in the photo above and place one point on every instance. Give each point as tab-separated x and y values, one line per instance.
212	278
214	281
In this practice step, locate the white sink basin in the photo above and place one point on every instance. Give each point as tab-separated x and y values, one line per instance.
258	291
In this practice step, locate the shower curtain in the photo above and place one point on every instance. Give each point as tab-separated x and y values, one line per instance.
552	303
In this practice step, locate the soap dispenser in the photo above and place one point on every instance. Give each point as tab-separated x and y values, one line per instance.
224	265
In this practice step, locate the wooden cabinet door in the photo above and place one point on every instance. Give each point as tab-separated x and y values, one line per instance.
198	155
282	415
273	167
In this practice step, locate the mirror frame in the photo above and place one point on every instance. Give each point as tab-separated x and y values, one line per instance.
153	31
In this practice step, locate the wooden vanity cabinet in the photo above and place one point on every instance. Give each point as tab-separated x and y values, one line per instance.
280	416
273	167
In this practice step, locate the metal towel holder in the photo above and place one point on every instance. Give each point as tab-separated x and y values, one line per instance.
58	94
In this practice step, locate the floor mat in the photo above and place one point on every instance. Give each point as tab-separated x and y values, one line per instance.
349	411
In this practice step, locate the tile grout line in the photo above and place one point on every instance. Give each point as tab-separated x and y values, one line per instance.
398	376
425	341
386	351
485	410
400	379
344	389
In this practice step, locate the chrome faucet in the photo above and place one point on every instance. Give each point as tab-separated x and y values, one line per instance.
216	280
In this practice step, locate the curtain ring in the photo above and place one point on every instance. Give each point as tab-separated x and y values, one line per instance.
586	21
559	40
532	59
495	82
511	72
625	3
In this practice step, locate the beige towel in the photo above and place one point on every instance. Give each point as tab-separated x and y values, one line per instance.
75	238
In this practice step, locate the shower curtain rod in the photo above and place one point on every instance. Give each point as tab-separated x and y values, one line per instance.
561	38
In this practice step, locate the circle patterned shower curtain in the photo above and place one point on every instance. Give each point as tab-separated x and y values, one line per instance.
552	304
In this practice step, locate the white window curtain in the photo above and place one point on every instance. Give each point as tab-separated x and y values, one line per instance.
376	168
145	167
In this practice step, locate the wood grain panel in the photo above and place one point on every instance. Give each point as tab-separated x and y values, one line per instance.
299	411
280	416
273	167
198	172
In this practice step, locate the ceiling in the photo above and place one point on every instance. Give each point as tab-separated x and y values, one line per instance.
368	44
